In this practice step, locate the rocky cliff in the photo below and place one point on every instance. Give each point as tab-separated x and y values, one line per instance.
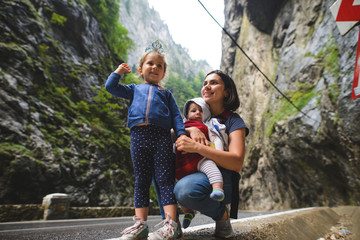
295	159
54	61
60	131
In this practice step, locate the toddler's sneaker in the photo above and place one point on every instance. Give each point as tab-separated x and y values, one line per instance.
217	195
139	230
169	230
188	217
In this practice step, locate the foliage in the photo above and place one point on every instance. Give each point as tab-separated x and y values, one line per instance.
329	57
104	116
300	98
42	49
58	19
8	149
184	89
107	14
333	92
130	78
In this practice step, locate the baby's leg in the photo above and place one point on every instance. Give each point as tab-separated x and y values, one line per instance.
217	185
213	173
189	214
184	209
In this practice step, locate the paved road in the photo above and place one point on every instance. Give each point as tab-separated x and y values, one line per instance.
89	229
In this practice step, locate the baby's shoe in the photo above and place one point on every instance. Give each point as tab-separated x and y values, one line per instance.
217	195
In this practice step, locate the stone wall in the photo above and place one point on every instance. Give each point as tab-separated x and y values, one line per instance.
30	212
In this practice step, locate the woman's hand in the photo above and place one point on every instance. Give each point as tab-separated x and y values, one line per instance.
186	144
232	159
197	135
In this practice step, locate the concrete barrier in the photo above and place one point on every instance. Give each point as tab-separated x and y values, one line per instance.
302	224
32	212
25	212
56	206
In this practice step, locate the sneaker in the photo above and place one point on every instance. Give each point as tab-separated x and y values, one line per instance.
169	230
139	230
188	218
223	228
217	195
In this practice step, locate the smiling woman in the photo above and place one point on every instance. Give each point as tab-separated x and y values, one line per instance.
192	30
194	190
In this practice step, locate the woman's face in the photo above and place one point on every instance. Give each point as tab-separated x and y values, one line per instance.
213	90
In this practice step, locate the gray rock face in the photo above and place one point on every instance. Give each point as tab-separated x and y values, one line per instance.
262	13
295	159
233	18
54	60
60	131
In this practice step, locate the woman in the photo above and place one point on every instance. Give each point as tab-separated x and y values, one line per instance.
193	191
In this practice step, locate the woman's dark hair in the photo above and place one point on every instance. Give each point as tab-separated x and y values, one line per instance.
231	102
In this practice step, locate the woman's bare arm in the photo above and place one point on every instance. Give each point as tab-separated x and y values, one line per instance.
232	160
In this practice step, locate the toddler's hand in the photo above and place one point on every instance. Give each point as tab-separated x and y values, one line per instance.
123	68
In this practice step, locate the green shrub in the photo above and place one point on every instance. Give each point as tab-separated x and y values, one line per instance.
329	57
184	89
300	98
107	15
58	19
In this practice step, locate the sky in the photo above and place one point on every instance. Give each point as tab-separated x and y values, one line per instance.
193	28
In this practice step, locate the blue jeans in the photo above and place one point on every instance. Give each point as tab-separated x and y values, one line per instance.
193	191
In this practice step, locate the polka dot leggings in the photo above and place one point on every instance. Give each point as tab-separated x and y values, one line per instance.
152	155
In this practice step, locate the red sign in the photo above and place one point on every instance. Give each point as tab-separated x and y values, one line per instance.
348	11
346	14
356	84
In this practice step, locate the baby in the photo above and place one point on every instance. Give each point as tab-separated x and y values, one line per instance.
196	111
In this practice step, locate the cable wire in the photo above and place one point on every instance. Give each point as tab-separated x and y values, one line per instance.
266	77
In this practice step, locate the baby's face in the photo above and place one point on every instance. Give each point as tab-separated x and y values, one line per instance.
195	112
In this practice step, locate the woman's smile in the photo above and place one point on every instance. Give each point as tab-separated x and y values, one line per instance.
207	94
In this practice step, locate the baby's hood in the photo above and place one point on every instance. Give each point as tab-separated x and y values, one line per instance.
205	108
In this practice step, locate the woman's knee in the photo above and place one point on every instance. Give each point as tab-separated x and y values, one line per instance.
194	186
182	190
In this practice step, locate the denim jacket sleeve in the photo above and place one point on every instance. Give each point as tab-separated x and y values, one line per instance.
177	122
112	86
